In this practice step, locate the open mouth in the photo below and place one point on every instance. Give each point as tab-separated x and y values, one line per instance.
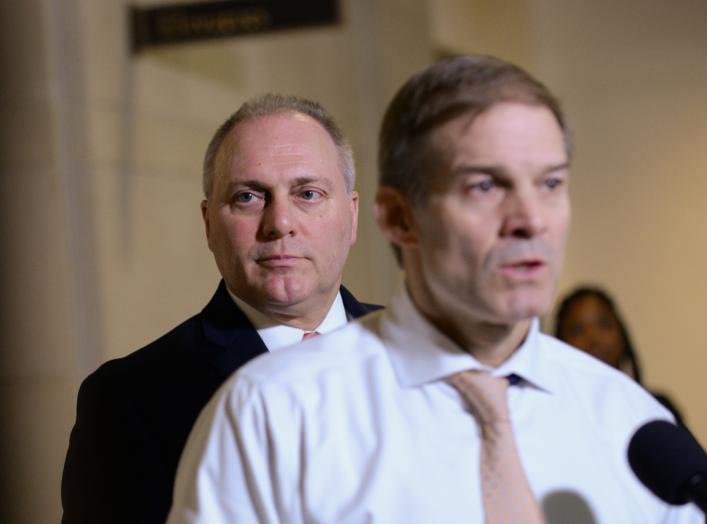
523	268
528	265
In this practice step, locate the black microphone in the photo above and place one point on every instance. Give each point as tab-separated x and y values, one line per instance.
669	461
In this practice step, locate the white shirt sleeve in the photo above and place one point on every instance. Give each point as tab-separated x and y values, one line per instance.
223	475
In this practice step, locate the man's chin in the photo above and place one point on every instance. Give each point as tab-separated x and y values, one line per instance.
526	306
285	293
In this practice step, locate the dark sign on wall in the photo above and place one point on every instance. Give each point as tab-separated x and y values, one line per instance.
169	24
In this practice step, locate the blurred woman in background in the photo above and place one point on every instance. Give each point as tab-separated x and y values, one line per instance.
588	320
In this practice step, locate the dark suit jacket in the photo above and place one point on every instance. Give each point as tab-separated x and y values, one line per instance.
134	414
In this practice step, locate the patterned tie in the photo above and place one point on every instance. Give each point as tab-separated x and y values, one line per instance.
310	334
506	493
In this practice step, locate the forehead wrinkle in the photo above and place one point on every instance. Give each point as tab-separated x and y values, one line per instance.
259	185
470	169
279	150
499	170
307	156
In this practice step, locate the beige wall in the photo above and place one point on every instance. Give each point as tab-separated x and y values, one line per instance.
633	79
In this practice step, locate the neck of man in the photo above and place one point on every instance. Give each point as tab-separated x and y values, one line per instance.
307	314
491	343
307	320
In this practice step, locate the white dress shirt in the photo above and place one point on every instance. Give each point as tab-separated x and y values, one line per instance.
276	336
359	426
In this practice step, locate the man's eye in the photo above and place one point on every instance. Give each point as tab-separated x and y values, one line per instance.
244	197
310	194
484	186
552	183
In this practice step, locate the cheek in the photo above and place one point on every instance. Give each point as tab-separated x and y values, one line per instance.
615	342
456	260
576	341
454	247
329	237
235	236
341	222
340	239
562	229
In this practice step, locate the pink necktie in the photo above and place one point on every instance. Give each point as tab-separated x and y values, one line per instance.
507	496
310	334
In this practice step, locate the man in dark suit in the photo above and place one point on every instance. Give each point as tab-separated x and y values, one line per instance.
280	215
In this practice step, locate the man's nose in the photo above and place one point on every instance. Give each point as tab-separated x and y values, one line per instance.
524	215
278	219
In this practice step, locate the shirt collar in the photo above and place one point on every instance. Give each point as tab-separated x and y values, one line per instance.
420	353
277	336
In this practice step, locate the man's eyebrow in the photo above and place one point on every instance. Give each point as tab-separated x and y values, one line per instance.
258	185
564	166
496	170
306	180
251	183
472	169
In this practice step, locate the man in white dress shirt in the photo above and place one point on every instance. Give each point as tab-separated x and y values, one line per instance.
363	424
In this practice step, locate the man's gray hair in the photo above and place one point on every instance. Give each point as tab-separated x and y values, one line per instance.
271	104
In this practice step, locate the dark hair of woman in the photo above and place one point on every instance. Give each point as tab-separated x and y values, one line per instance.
628	359
588	319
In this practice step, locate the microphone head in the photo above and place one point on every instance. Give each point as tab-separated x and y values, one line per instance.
665	457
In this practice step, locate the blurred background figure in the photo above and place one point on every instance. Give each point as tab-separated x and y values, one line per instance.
588	319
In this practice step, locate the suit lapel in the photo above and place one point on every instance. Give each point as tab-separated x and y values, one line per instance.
353	307
232	338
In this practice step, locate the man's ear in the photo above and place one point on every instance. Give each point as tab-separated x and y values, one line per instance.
354	216
394	214
205	216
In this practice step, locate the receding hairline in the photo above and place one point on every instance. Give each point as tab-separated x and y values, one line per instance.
434	142
223	155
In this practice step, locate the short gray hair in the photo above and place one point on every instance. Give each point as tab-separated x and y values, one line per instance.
271	104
